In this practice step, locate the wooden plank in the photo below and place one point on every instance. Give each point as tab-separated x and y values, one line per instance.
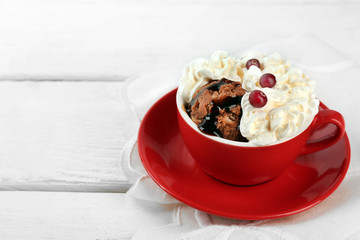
63	136
81	216
112	39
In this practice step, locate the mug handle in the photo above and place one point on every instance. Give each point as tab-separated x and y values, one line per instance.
323	117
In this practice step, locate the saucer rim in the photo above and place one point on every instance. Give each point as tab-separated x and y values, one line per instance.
321	197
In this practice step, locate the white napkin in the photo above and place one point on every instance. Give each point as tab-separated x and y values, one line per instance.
338	217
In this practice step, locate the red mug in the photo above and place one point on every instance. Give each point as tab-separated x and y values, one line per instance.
235	163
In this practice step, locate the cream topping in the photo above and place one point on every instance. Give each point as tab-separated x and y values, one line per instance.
201	70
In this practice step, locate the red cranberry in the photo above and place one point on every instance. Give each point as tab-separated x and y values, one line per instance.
251	62
267	80
257	99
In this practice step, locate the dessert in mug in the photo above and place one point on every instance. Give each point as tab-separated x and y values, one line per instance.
258	99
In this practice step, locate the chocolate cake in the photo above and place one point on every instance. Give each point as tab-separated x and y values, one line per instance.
216	109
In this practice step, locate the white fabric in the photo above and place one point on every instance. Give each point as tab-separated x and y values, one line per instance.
338	217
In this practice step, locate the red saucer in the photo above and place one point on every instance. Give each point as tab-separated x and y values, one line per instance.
307	182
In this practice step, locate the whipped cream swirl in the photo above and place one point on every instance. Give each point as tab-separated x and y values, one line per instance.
291	104
201	71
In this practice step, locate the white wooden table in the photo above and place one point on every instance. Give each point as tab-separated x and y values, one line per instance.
63	118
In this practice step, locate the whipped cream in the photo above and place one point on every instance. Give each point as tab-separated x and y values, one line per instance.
291	104
201	70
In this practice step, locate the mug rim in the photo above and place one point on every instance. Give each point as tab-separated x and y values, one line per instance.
180	105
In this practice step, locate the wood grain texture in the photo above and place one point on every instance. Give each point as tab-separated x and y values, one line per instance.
80	216
109	40
63	136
